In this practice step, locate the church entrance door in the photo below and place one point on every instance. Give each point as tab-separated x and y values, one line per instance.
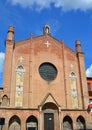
48	121
50	116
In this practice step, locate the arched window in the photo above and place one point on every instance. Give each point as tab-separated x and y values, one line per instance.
73	87
81	123
5	101
19	86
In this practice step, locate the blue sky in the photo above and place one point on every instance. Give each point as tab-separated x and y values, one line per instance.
69	20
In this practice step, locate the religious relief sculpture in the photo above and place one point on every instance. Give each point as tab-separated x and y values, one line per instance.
73	90
19	86
47	29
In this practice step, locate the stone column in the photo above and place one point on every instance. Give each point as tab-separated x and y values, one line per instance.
74	125
40	110
59	118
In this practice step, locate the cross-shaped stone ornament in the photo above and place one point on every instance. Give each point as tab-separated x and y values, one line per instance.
21	59
47	44
72	65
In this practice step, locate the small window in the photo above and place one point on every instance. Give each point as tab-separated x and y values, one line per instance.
89	86
90	100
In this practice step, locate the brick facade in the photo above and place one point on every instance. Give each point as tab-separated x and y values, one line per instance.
27	97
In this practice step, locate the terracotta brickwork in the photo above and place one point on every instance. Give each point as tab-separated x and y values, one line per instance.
37	96
89	83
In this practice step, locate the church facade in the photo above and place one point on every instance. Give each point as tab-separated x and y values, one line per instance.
44	85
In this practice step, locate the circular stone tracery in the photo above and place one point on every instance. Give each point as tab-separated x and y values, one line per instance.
48	71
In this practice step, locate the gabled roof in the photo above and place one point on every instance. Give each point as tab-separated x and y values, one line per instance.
48	36
49	98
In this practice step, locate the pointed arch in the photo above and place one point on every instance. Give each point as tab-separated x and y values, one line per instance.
14	123
73	86
32	123
19	86
72	75
20	68
5	101
49	99
81	123
67	123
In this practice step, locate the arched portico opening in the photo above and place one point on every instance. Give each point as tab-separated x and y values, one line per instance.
14	123
67	123
81	125
31	123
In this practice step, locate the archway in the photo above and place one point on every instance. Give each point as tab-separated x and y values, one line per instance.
31	123
81	123
67	123
50	116
14	123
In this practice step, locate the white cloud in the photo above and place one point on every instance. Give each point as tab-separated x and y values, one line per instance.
89	71
64	4
1	61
